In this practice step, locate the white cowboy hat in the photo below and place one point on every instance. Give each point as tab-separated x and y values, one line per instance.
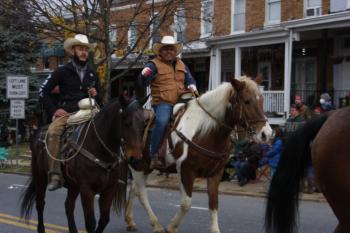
78	39
167	40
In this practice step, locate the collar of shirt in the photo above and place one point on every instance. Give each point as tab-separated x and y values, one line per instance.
81	70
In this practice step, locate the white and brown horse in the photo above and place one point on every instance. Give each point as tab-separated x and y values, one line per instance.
199	146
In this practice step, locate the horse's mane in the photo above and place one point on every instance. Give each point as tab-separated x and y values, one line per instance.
251	84
216	101
106	108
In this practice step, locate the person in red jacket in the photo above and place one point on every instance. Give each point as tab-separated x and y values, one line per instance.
168	77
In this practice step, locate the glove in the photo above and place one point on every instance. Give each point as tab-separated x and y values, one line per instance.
192	87
146	72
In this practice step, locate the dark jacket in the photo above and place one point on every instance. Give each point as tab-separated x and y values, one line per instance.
71	88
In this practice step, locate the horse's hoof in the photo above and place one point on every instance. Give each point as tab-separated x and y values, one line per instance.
160	231
170	231
131	228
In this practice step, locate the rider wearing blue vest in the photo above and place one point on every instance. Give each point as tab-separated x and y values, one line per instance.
169	77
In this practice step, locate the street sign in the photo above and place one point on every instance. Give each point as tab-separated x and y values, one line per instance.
17	109
17	87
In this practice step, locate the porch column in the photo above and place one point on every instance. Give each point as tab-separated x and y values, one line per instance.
288	50
238	61
215	68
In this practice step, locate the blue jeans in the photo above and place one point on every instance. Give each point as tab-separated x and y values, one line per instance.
163	113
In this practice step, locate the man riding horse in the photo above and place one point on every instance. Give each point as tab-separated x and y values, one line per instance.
169	77
76	80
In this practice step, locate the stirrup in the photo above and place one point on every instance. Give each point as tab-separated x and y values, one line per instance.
156	163
54	185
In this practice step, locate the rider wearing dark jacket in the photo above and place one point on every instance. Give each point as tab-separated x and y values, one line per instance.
72	89
76	81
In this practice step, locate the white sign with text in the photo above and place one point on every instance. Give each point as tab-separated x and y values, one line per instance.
17	87
17	109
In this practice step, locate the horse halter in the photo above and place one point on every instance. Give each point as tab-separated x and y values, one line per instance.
247	123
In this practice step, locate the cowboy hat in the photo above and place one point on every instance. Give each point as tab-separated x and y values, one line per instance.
167	40
78	39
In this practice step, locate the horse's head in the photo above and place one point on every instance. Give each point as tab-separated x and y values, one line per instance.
132	126
248	101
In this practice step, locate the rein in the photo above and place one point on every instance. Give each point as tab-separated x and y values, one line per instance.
211	154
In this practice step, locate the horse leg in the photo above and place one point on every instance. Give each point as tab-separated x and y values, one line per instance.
69	204
87	201
186	180
213	192
105	202
129	216
140	183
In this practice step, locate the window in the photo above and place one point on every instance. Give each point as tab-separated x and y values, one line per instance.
179	27
348	4
273	11
60	61
132	34
207	17
155	29
312	7
113	33
238	17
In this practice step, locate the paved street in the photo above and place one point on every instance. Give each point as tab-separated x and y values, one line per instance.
238	214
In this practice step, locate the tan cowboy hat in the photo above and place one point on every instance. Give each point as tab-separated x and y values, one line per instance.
167	40
78	39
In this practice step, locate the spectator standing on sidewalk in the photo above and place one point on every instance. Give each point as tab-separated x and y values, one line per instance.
326	102
302	108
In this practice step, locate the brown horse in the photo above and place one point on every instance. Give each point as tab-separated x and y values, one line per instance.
199	146
99	167
324	141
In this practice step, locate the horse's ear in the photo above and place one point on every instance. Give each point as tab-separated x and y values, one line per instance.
237	85
123	101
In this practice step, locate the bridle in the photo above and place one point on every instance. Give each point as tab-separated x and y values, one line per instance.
247	124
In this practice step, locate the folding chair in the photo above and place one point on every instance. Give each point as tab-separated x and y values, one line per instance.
263	172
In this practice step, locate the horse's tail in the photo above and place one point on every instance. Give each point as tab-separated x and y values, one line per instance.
37	181
283	194
119	200
28	199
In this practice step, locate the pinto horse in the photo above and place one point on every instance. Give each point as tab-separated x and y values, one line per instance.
324	141
98	167
199	146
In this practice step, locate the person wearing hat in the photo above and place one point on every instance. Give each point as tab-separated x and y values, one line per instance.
326	102
76	80
168	77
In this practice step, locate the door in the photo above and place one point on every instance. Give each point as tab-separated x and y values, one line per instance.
306	77
264	69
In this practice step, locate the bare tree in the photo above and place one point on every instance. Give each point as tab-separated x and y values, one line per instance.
55	20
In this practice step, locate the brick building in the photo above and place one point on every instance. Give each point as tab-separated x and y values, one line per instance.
298	46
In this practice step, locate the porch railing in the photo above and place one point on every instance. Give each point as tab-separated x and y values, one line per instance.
273	101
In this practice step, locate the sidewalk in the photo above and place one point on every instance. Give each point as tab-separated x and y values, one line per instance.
257	188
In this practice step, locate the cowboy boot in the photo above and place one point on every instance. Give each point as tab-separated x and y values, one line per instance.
155	162
55	180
